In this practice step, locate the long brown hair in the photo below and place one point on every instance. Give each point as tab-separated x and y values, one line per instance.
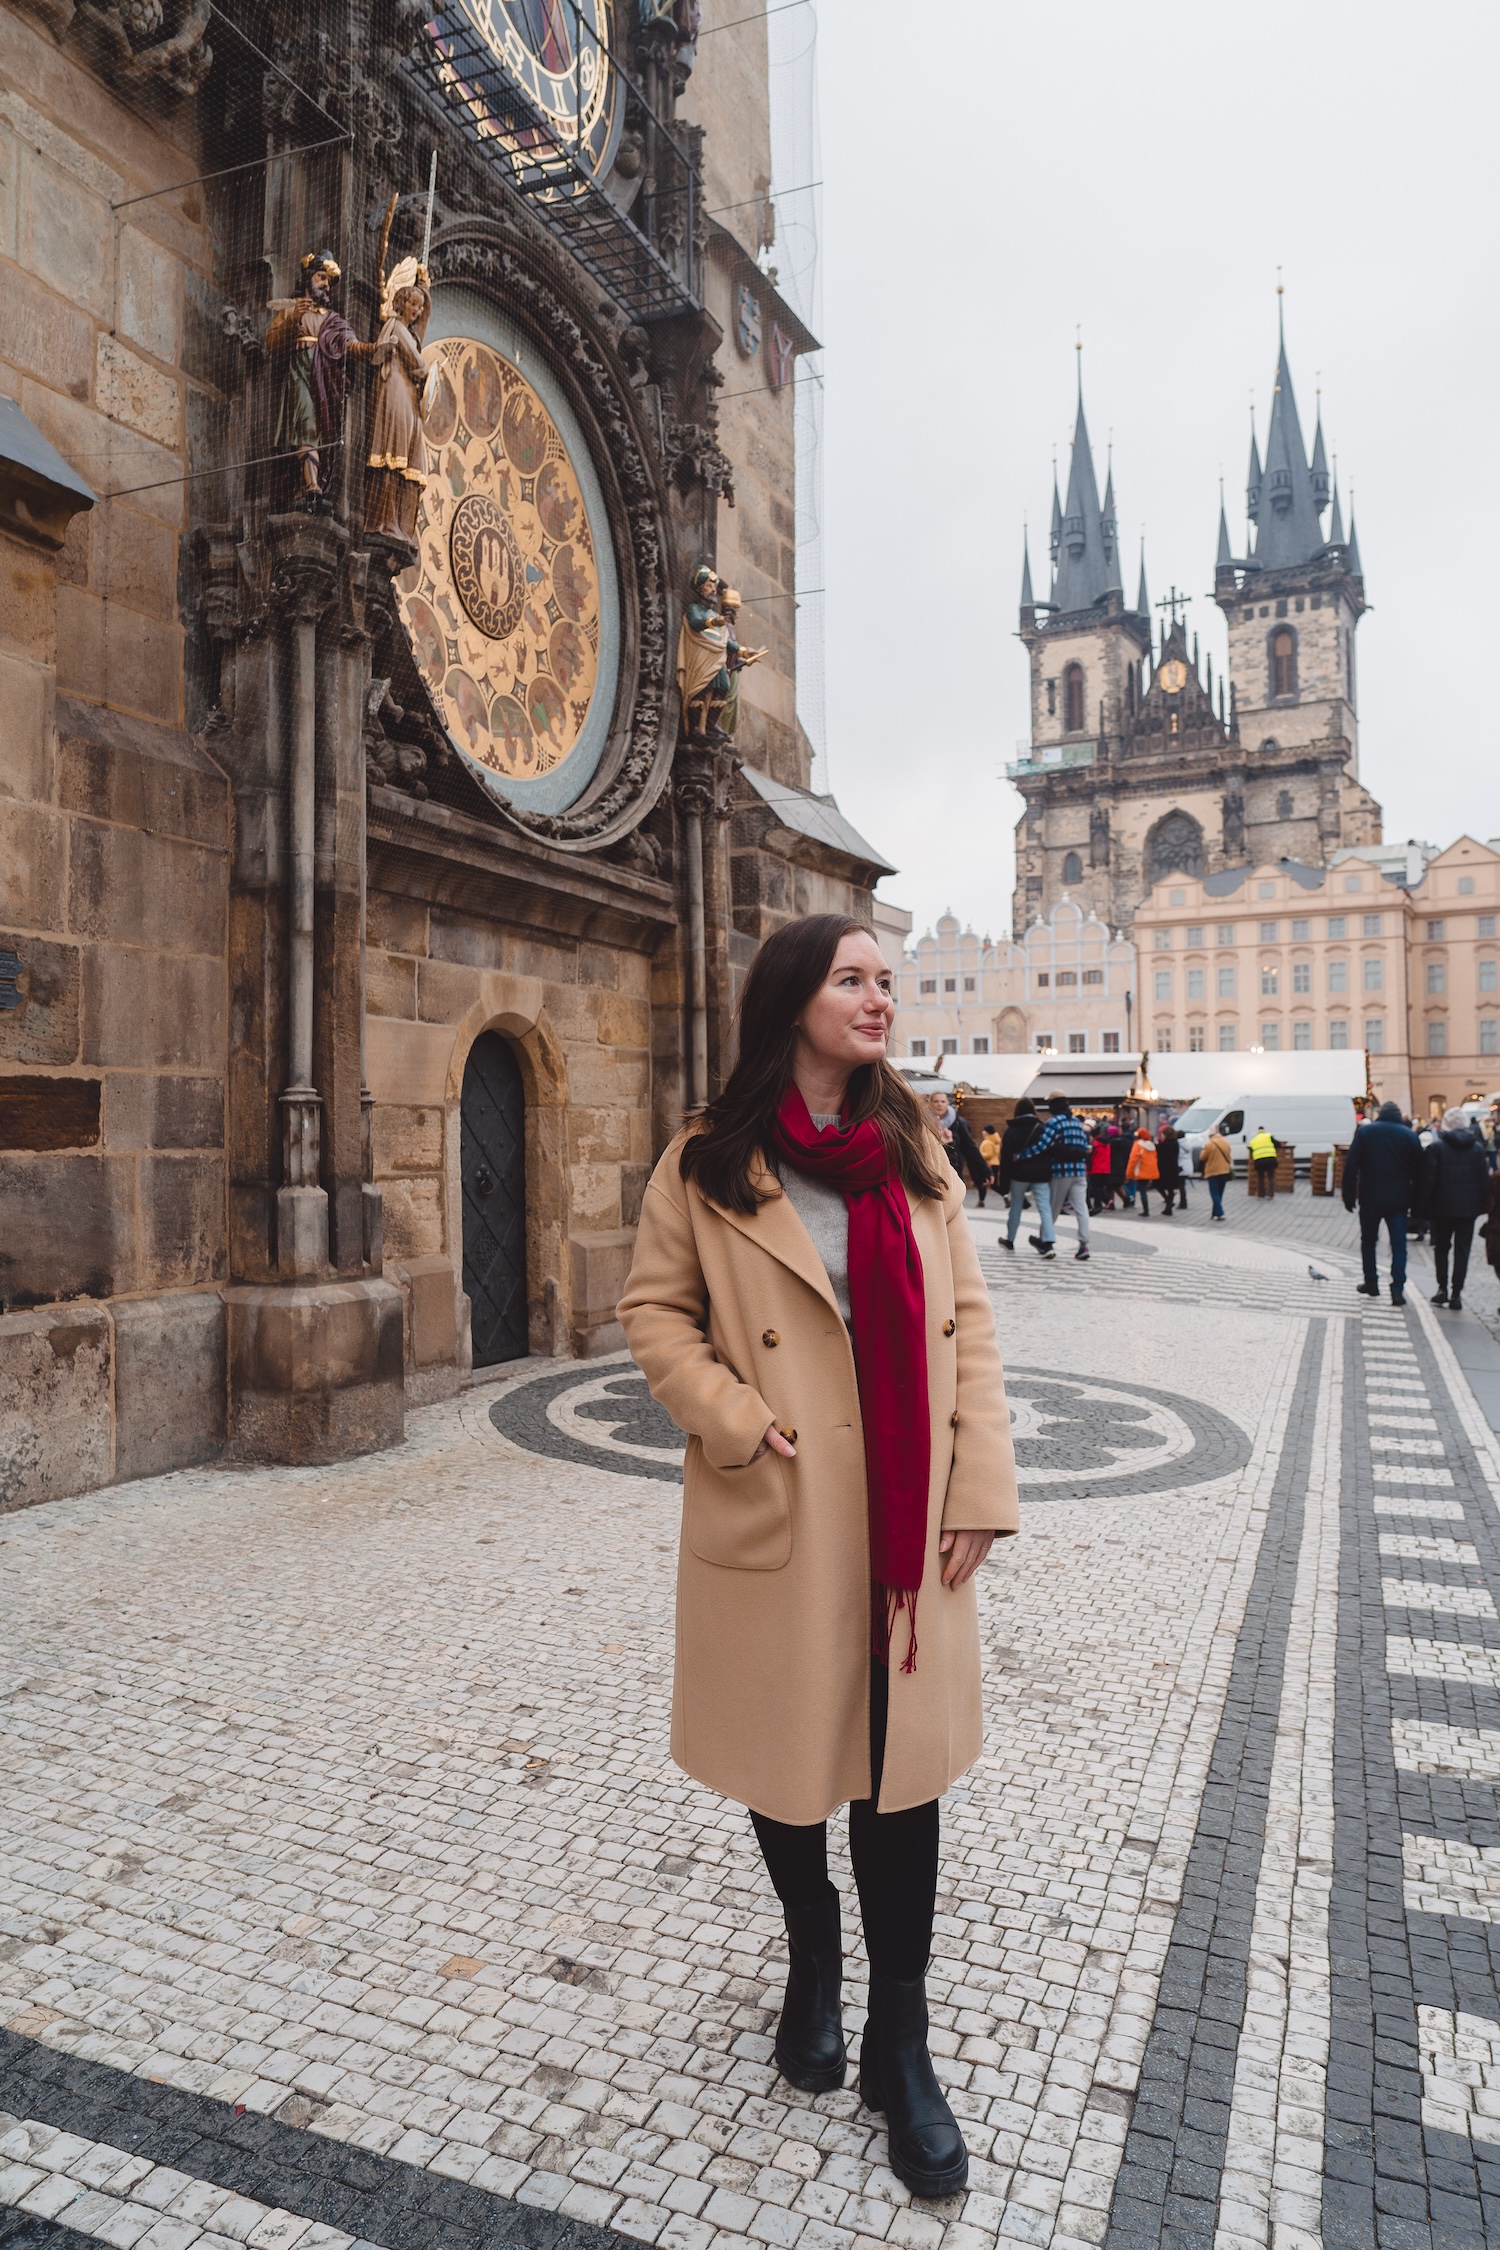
734	1130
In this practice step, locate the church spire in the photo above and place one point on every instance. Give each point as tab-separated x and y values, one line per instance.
1287	528
1028	600
1336	522
1319	464
1224	560
1252	480
1110	533
1143	599
1084	572
1356	567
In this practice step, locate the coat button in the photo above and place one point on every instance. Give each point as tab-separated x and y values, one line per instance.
953	1420
949	1326
790	1436
770	1339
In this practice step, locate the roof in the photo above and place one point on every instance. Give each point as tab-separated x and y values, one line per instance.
39	491
817	818
1229	879
1087	566
1287	507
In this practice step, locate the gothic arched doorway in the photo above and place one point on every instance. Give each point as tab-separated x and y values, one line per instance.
492	1167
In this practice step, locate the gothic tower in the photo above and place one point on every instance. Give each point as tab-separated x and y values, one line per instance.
1292	605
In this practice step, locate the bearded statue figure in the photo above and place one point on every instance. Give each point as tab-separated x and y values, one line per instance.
316	343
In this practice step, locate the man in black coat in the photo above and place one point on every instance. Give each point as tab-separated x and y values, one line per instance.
1381	1175
1023	1172
1455	1191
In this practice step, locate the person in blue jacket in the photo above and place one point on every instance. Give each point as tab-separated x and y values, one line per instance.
1381	1175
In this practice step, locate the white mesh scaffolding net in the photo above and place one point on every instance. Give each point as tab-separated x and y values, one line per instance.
797	166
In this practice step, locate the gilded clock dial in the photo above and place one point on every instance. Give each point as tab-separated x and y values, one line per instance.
502	605
536	75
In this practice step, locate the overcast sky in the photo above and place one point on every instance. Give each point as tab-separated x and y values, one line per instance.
997	178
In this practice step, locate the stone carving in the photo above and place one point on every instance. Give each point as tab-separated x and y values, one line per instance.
142	39
673	26
1234	814
316	343
1098	837
396	467
695	456
243	329
390	761
1174	846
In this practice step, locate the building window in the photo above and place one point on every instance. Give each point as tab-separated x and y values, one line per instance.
1073	699
1110	1044
1486	925
1338	1031
1265	890
1067	976
916	1047
968	984
1437	1036
1078	1042
1195	1038
981	1047
1283	661
1434	932
1302	1034
1163	1038
1465	886
1161	939
1270	980
1374	975
1093	976
1193	935
1354	882
1488	970
1072	868
1268	933
1301	932
1437	976
1163	984
1224	934
1371	927
1283	804
950	1046
1177	898
1338	976
1337	926
1043	978
1375	1034
950	984
1302	976
1226	980
1228	1038
1197	984
1489	1035
1045	1043
1052	699
929	984
1270	1037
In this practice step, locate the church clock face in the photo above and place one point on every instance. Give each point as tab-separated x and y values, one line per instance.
536	75
506	606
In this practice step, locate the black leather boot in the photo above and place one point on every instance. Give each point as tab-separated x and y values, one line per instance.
927	2150
810	2047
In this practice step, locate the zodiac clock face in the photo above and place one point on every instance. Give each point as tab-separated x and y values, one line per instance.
552	54
506	605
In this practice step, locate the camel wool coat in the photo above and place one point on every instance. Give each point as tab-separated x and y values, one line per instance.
733	1322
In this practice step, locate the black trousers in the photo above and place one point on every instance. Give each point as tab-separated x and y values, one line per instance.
895	1858
1457	1235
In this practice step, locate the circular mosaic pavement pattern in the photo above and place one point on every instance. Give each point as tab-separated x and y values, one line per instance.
1078	1437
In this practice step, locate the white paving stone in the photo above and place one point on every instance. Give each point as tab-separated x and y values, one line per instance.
1468	1753
1445	1875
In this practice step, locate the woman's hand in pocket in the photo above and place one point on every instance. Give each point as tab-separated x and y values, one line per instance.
965	1551
775	1443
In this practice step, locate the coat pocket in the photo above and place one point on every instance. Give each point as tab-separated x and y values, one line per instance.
738	1518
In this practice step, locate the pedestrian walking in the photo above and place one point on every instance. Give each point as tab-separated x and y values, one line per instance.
1141	1168
1218	1165
1100	1154
1455	1191
1024	1171
989	1149
1065	1142
1490	1231
804	1280
1381	1171
966	1155
1169	1168
1119	1162
1263	1155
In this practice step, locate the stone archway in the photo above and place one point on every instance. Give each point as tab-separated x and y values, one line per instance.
492	1180
1174	846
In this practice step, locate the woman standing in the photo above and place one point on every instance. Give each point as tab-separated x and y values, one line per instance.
1141	1170
1169	1169
1218	1163
807	1304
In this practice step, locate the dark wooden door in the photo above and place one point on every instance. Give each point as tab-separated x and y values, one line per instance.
492	1161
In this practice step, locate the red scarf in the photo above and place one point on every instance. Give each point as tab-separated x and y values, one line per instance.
888	1322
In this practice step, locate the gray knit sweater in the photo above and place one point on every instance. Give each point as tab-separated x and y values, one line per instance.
825	1215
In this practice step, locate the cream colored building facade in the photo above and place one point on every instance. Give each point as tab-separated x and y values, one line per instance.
1068	985
1453	916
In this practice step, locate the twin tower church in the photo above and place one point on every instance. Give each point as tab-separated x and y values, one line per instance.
1141	764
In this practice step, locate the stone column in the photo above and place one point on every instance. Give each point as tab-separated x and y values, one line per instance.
702	779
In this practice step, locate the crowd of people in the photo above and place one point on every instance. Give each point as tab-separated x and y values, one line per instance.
1063	1166
1440	1181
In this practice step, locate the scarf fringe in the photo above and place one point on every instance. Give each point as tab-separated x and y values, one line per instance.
884	1610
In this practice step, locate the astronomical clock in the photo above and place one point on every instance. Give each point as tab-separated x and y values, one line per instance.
512	608
538	76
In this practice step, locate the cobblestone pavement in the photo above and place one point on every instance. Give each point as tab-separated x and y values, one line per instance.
348	1896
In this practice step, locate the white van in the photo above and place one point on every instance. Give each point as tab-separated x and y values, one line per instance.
1308	1121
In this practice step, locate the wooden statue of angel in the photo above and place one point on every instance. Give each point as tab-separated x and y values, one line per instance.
397	463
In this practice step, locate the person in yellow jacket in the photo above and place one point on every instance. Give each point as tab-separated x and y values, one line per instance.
1218	1163
1142	1169
1263	1157
989	1149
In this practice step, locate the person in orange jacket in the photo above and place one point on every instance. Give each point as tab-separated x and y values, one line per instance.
1143	1168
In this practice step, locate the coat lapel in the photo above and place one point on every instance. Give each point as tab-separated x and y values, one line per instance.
776	1229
